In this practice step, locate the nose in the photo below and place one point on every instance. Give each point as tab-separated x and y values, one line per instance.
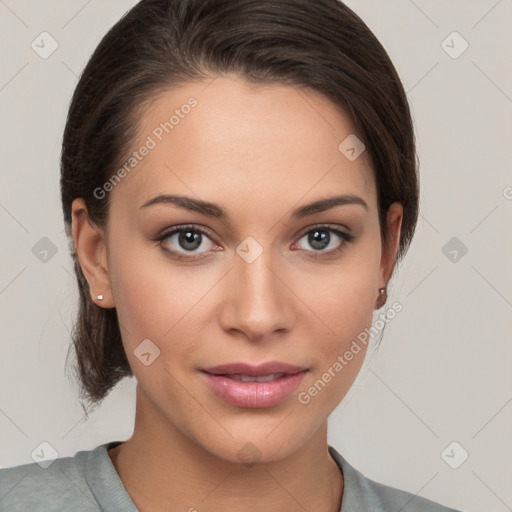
257	299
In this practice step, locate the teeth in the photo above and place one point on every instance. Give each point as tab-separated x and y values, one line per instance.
262	378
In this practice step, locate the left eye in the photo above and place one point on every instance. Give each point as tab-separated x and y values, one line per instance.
321	239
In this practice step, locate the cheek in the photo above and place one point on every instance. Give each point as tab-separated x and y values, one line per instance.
346	313
142	295
341	338
344	296
154	298
341	301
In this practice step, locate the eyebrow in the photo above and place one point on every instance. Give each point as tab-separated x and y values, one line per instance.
213	210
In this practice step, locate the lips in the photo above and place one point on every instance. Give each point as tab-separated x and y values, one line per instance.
262	378
249	370
249	386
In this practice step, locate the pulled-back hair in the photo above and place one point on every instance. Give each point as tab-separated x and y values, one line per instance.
160	44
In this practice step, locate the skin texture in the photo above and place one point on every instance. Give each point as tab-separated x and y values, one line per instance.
259	152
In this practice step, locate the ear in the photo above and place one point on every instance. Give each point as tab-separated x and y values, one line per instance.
90	247
389	250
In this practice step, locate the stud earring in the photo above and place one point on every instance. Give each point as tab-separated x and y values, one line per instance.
99	297
382	298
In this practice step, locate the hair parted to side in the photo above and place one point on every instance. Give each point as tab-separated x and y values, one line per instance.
159	44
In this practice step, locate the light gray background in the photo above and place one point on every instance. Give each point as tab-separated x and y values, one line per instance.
443	371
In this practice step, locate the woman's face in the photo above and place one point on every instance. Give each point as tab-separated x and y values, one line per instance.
262	283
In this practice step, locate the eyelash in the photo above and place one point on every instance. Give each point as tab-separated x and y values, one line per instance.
346	237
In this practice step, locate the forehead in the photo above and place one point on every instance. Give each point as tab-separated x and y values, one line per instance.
224	138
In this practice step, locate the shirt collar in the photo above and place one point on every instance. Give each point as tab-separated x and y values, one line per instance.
111	494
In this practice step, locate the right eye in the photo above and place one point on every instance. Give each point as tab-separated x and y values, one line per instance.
182	240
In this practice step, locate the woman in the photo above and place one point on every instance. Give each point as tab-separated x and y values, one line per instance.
239	181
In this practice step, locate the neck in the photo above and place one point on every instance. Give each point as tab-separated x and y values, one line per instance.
163	469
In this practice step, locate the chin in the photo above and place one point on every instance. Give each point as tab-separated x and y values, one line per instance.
253	445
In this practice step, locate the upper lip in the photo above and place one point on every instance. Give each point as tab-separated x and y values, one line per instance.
251	370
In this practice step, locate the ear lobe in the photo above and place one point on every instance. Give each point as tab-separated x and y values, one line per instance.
389	251
90	247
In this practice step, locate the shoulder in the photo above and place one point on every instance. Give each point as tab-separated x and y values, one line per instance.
59	486
363	494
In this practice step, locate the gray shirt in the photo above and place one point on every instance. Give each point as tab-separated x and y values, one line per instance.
88	482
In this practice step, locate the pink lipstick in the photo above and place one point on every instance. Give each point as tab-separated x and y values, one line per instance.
254	386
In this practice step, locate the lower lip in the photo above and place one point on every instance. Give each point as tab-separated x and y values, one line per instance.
254	394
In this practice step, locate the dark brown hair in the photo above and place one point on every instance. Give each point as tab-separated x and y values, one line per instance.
158	44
